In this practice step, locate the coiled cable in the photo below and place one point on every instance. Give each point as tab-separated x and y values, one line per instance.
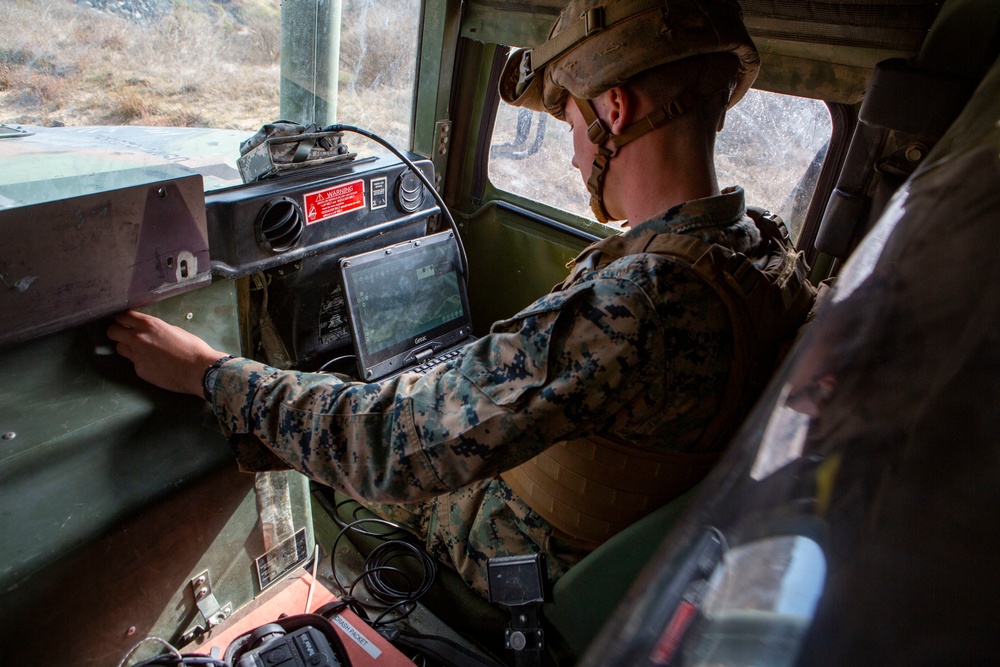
382	576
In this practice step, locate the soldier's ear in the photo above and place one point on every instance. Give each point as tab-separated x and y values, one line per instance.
621	108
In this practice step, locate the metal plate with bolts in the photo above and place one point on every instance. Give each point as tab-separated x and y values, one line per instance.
208	605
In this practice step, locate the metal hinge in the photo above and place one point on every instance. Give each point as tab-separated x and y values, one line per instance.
208	605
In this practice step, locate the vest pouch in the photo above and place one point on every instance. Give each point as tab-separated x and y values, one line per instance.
592	488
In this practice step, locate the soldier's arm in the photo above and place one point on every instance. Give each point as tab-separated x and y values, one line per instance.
560	369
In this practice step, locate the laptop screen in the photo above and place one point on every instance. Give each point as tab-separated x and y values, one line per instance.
405	302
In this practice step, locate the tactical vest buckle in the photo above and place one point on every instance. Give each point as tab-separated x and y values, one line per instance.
593	20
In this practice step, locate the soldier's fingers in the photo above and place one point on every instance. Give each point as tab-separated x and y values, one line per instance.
130	319
124	350
118	332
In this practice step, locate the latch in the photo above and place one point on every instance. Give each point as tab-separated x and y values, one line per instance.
208	605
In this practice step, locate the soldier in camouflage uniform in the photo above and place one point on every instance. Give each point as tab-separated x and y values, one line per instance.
634	353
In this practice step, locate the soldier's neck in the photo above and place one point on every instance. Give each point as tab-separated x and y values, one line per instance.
654	183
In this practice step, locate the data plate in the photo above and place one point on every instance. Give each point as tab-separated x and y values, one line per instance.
282	559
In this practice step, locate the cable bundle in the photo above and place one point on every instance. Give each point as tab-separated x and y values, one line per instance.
383	578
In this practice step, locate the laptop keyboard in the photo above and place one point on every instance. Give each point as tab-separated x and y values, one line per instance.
437	361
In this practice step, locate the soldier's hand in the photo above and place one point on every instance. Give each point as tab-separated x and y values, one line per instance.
163	354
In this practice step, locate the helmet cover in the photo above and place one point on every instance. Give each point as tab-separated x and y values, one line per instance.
596	45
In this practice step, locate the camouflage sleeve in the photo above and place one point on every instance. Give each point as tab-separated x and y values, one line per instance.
574	361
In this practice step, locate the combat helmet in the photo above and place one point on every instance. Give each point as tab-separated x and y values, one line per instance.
596	45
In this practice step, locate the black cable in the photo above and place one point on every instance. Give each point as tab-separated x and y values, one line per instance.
343	357
385	553
339	127
395	596
399	598
173	658
358	508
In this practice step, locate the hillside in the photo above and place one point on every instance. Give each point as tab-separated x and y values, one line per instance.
150	62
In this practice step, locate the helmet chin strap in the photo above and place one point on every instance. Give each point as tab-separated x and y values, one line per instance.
598	135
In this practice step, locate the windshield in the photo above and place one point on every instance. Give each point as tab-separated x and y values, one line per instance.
232	65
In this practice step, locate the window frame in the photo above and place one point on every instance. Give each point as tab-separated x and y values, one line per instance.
843	118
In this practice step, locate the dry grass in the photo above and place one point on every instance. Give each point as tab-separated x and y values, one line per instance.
8	79
70	64
201	65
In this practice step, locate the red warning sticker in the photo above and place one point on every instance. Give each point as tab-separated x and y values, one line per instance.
331	202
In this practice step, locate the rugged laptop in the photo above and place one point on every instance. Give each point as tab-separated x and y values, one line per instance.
407	305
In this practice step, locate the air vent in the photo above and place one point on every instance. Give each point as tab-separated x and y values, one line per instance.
279	225
409	192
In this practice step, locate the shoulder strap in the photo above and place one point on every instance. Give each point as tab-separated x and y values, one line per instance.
602	253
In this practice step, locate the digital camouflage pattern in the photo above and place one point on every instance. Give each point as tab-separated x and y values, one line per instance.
638	348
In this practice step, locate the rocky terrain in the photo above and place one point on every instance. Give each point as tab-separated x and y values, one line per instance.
139	11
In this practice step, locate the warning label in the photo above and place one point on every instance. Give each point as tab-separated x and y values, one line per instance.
331	202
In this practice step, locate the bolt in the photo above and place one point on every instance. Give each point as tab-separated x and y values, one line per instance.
189	316
9	435
162	193
130	631
914	152
200	581
201	593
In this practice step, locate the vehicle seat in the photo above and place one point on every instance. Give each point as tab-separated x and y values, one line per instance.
585	597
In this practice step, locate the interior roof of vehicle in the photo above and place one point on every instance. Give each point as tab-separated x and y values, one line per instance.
809	48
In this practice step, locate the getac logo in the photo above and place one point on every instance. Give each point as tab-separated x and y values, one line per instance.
418	341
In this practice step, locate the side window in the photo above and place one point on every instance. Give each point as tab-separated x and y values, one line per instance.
531	155
773	146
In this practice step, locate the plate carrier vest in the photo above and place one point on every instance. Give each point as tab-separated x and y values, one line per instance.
591	488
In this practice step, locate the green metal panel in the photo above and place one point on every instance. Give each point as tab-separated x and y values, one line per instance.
513	261
435	69
511	24
114	494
